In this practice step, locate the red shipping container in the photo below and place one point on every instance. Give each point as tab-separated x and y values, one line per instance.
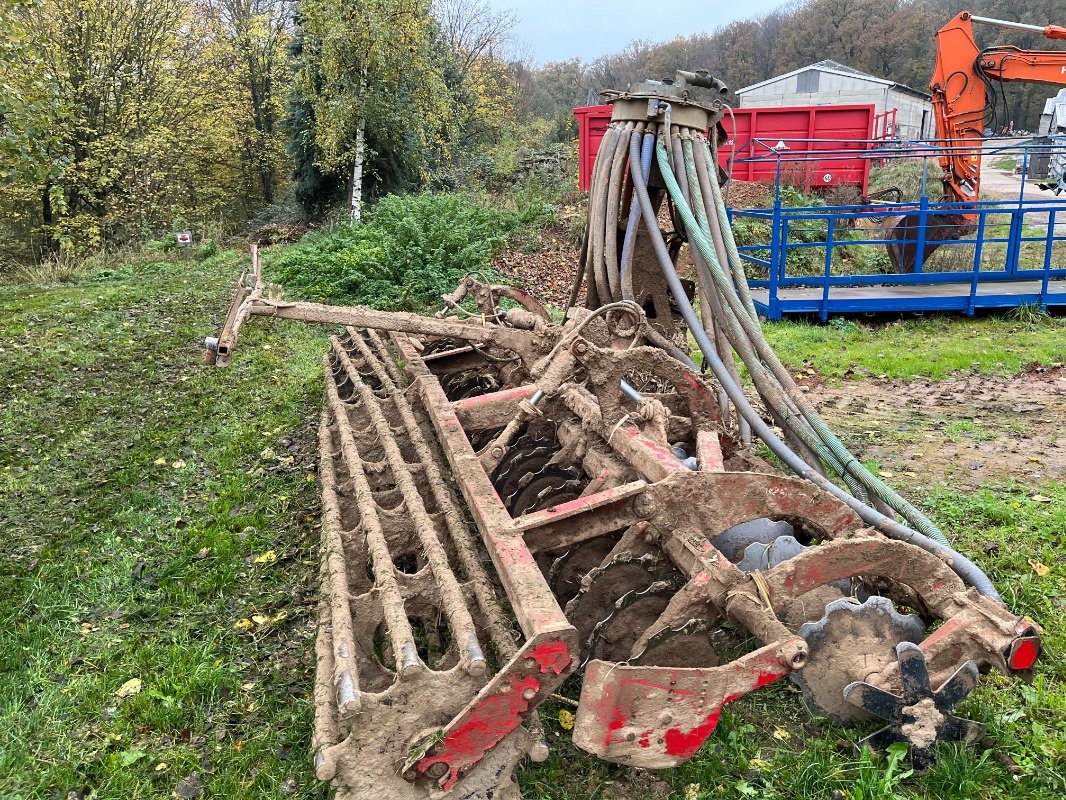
835	127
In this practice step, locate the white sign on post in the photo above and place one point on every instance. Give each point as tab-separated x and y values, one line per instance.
184	238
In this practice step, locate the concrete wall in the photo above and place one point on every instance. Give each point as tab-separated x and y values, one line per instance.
842	89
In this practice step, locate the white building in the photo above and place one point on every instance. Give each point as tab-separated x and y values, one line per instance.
830	83
1053	120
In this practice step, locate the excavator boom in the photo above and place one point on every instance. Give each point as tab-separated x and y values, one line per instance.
963	75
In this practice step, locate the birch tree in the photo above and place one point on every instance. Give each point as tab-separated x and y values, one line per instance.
373	73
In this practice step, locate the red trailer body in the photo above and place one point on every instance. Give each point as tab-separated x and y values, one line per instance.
592	122
842	129
802	128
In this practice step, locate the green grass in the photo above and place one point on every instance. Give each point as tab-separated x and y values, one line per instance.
149	504
136	488
933	347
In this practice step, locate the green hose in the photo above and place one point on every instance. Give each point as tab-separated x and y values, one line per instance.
743	324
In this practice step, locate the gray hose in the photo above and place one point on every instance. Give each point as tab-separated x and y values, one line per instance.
801	414
965	568
643	158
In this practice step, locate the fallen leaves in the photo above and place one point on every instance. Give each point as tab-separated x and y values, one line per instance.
129	688
129	757
566	720
269	557
260	620
1040	569
190	787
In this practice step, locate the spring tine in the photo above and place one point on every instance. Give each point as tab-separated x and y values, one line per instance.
405	653
451	593
335	580
462	538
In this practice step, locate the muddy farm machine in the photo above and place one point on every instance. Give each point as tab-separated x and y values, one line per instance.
511	500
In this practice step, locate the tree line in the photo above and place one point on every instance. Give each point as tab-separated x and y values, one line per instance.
121	118
889	38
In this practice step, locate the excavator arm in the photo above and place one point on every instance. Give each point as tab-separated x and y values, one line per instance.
963	79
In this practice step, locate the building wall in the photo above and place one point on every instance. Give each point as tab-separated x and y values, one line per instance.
839	89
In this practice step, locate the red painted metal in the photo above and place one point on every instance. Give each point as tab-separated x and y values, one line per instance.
842	127
592	122
668	712
885	125
836	128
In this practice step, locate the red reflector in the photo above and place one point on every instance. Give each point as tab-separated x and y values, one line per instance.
1024	654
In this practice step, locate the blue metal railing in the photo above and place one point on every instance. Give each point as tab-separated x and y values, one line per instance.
819	256
826	247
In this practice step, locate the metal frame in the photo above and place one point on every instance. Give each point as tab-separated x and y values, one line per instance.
972	290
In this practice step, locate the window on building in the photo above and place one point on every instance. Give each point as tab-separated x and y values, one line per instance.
807	82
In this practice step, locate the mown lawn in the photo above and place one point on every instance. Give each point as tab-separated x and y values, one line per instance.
158	524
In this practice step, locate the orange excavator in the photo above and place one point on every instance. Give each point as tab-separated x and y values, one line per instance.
964	93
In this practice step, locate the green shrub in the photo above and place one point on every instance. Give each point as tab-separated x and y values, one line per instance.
412	249
208	248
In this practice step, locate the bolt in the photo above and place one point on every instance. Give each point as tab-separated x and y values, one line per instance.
437	770
580	348
666	718
631	737
529	694
643	506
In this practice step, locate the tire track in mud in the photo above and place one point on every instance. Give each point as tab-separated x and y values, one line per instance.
965	431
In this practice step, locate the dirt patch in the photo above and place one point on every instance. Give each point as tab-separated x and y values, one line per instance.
749	194
544	266
969	430
638	785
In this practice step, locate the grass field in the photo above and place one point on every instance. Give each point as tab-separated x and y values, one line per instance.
159	521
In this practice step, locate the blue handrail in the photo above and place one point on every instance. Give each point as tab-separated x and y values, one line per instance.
1023	233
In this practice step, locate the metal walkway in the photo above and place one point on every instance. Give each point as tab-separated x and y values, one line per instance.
910	298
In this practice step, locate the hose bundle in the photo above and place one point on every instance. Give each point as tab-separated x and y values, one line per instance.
727	321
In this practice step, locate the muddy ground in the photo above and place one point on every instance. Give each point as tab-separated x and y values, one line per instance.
966	431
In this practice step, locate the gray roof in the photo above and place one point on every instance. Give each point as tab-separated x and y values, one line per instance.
828	65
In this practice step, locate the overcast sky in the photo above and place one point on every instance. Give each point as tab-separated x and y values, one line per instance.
554	30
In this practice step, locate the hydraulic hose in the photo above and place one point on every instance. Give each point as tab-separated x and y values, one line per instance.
614	193
965	568
775	395
597	214
643	157
801	415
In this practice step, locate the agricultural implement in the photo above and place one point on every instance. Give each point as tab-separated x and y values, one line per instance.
511	501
